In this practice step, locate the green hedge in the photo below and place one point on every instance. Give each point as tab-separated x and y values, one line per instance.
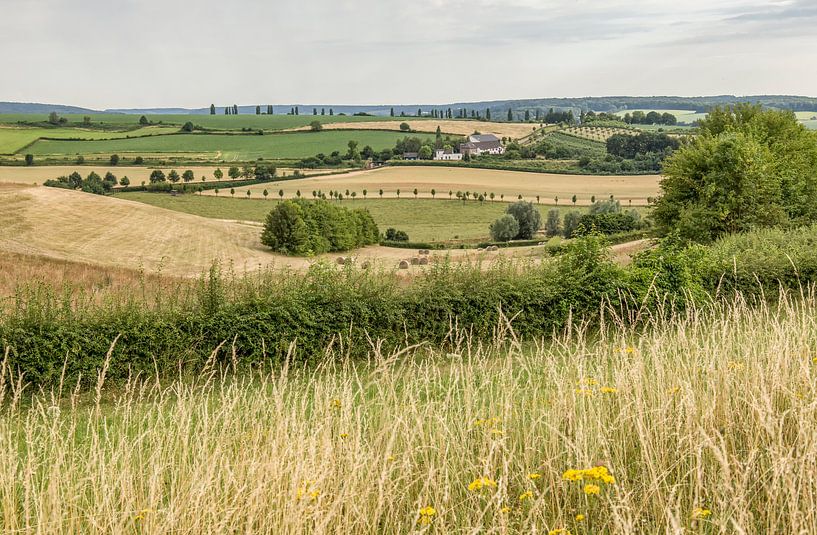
258	318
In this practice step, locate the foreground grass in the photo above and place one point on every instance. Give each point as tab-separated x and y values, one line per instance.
706	422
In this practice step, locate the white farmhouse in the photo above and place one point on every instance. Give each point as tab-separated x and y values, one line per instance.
447	155
482	144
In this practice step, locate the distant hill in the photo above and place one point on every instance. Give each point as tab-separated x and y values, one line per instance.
33	107
499	108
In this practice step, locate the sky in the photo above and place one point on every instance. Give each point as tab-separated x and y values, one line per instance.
173	53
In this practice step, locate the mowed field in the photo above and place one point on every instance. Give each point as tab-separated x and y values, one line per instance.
424	220
38	174
449	126
217	122
227	147
61	225
15	138
511	184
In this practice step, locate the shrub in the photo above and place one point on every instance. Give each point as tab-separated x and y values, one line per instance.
302	228
606	223
571	223
505	228
553	223
29	159
114	159
528	218
396	235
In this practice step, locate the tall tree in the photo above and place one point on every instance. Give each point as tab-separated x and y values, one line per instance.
235	109
510	115
212	109
392	112
314	111
488	114
258	110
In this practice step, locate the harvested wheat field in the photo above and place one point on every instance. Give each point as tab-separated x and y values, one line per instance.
79	227
39	174
460	128
511	184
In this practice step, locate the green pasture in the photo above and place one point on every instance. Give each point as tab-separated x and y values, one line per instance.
425	220
217	122
227	147
683	116
13	139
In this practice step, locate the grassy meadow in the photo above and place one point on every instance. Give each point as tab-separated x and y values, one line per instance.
699	424
217	122
13	139
226	147
425	220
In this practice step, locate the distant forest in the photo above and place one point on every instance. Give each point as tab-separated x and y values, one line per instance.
498	108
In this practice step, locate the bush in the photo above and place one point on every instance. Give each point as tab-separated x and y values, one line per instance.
505	228
553	223
528	218
606	223
571	223
305	228
396	235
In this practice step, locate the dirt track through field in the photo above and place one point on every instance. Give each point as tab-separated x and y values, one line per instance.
511	184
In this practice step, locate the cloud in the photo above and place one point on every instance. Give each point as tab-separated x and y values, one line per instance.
164	52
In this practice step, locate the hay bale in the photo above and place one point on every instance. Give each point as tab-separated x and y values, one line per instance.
415	261
494	248
403	264
340	261
424	261
366	265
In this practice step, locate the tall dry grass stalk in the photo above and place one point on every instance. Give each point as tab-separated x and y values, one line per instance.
707	422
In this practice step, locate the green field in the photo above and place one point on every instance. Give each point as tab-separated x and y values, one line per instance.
219	122
425	220
227	147
683	116
13	139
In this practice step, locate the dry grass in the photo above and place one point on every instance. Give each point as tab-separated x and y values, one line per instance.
460	128
714	411
62	225
444	179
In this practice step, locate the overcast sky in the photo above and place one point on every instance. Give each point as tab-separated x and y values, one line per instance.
163	53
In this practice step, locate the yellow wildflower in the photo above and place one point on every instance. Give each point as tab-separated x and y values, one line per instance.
141	514
674	390
700	512
579	517
390	458
314	494
335	404
591	489
608	390
525	496
584	391
587	382
481	483
426	515
344	435
534	476
497	432
505	509
560	531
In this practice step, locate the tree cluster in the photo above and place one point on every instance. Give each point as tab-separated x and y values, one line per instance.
93	183
521	222
653	117
304	228
628	146
748	168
